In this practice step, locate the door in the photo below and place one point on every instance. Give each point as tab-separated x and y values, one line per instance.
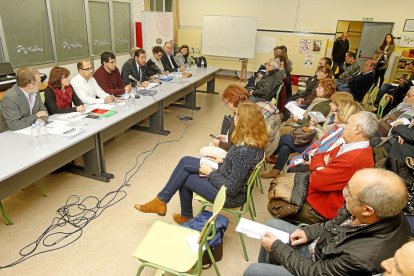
372	36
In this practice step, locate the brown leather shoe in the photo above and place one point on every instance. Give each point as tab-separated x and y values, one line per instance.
154	206
178	218
273	173
272	159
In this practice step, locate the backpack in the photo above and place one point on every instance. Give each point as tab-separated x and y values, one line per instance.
216	243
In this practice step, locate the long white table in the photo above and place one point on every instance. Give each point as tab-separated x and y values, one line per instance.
22	164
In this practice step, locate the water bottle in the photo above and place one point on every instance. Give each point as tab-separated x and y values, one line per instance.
35	135
132	97
179	78
202	63
43	134
126	97
187	67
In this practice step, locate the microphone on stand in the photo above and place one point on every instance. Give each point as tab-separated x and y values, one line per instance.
147	91
131	77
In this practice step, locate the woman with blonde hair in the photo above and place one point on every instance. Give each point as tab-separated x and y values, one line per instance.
249	138
332	139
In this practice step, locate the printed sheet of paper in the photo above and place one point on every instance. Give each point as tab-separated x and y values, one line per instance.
255	230
295	110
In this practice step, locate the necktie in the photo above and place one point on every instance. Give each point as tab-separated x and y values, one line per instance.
139	73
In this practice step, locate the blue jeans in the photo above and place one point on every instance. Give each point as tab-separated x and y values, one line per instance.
185	179
285	148
264	267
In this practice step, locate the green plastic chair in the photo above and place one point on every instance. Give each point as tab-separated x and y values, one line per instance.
160	245
383	104
276	98
7	220
369	106
254	179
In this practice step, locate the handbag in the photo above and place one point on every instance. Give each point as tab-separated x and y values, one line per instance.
280	206
303	136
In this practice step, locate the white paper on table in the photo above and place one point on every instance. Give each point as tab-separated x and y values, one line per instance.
28	130
149	86
73	116
65	131
317	116
25	131
403	120
209	162
255	230
295	110
91	107
192	241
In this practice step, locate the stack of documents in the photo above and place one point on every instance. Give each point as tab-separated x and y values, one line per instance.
256	230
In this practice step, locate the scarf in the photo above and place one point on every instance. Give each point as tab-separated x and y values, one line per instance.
158	63
63	99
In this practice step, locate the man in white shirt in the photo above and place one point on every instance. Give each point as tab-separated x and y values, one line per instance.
86	86
168	59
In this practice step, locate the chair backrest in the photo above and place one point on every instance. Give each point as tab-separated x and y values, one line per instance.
373	95
276	98
366	95
217	207
382	104
252	180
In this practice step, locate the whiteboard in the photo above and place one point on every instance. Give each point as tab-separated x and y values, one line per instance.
229	36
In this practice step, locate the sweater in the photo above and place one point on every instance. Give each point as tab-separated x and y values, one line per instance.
235	172
111	83
325	186
50	102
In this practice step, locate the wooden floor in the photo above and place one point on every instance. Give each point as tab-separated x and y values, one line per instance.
107	242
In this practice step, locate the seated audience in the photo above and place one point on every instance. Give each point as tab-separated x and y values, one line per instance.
400	264
21	105
60	97
266	88
330	171
86	86
249	138
360	84
182	57
397	91
401	145
351	70
154	64
136	68
168	60
355	242
108	76
312	82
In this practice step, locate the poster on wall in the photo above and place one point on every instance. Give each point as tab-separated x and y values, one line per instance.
308	60
406	41
304	46
156	29
317	45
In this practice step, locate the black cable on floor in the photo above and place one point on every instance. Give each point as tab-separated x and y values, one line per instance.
76	214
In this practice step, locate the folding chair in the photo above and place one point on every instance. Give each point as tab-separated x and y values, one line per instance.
369	106
160	245
254	179
382	104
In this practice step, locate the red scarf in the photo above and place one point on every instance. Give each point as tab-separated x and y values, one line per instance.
63	99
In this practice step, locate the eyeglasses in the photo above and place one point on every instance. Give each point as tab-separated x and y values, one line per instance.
88	69
346	192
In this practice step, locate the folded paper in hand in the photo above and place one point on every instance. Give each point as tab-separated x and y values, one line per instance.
256	230
317	116
295	110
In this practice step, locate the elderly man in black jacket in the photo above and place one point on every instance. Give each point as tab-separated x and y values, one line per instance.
368	231
361	83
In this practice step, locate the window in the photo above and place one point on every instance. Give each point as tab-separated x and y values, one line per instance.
69	26
100	27
27	33
122	26
161	5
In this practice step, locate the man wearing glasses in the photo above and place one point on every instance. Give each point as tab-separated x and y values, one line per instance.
86	86
21	105
108	76
367	231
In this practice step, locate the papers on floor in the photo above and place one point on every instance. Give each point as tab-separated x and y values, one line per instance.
255	230
317	116
209	162
295	109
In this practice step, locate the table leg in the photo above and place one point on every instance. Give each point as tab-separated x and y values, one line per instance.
156	122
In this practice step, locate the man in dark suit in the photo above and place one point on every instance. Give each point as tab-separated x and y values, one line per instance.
361	83
21	105
136	68
168	59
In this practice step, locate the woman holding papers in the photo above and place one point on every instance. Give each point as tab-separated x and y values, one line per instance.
249	138
287	146
60	97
